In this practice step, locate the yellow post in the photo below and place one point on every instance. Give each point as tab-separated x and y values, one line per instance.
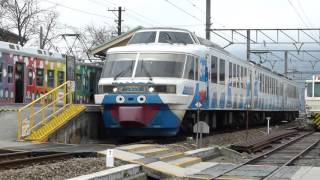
19	126
31	117
65	97
54	106
42	111
70	91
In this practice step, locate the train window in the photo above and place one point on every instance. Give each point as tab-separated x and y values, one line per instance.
50	78
174	37
260	84
160	65
214	69
30	76
238	76
79	82
39	77
316	90
1	72
196	68
11	46
10	74
230	72
39	51
143	37
242	77
234	75
60	77
222	70
189	69
119	65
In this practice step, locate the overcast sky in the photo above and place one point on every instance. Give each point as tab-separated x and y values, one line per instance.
225	13
190	14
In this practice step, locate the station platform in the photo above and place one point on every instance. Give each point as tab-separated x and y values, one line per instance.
160	162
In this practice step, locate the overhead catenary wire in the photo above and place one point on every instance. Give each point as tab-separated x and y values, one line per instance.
195	6
78	10
182	10
298	14
304	13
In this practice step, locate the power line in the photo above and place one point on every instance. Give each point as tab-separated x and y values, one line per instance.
303	12
297	12
184	11
196	7
78	10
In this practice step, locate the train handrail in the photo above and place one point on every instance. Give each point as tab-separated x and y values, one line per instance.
49	100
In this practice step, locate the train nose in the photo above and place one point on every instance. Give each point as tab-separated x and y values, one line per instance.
134	116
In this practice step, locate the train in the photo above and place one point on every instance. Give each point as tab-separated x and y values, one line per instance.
155	85
312	100
27	73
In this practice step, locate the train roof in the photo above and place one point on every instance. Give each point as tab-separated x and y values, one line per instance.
39	53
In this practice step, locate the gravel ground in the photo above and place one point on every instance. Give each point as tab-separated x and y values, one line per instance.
58	170
225	139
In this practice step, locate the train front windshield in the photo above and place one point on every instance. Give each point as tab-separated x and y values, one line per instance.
316	88
160	65
119	65
149	65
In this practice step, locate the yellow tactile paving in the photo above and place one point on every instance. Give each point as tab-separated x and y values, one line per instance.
185	161
170	157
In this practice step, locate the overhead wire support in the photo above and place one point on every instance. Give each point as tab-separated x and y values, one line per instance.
119	18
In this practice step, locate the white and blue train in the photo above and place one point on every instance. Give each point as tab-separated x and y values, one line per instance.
150	87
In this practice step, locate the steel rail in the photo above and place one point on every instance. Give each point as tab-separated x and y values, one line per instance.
262	155
292	159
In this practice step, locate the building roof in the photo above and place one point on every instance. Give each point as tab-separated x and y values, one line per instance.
121	40
8	36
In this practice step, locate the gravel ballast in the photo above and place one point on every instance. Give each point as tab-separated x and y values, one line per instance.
58	170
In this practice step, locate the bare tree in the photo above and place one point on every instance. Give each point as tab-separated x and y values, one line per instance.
22	15
48	28
2	12
97	35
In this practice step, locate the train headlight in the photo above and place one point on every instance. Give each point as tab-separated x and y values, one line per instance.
141	99
115	89
120	99
151	89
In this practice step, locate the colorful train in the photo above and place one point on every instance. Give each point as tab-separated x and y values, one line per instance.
151	86
26	74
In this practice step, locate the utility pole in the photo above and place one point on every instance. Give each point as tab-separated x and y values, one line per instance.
248	44
119	20
208	23
286	63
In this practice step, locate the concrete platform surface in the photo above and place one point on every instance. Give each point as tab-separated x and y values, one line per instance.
128	171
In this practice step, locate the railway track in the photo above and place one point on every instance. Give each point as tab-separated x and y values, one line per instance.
19	159
283	155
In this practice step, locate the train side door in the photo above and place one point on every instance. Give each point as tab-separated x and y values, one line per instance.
19	82
92	86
